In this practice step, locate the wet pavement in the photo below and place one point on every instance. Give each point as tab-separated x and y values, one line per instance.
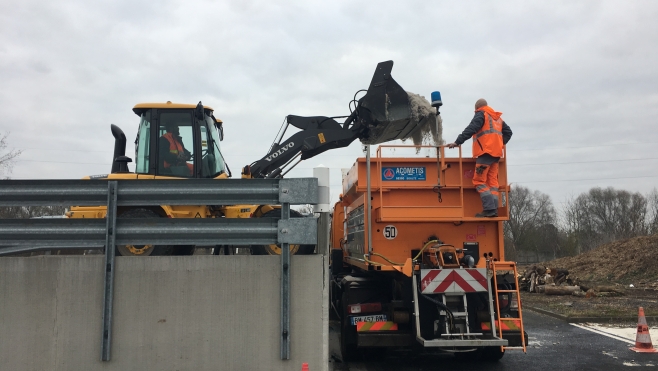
554	345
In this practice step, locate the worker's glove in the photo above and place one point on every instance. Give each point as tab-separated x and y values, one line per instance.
183	157
452	145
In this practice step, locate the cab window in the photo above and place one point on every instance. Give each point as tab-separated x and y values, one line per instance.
143	144
211	157
176	144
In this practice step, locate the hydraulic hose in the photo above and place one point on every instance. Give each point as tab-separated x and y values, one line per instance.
365	257
439	304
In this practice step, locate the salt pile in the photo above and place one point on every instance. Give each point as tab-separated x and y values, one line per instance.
431	130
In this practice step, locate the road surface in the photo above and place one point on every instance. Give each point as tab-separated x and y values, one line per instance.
554	345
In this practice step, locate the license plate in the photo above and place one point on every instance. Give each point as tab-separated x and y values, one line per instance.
372	318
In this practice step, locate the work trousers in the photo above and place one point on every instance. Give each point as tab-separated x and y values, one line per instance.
485	181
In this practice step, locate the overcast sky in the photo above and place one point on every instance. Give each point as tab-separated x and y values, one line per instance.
576	81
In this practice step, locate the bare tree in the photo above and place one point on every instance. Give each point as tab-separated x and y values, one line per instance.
652	212
27	212
531	226
604	215
7	157
578	225
306	209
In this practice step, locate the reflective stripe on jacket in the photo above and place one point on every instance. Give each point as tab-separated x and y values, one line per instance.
489	139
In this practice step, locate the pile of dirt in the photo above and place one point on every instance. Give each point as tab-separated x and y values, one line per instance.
632	261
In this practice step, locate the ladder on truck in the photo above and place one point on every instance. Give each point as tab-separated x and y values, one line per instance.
497	266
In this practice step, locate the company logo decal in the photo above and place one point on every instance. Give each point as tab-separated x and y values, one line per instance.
404	173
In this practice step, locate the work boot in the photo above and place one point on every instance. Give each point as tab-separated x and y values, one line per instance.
487	214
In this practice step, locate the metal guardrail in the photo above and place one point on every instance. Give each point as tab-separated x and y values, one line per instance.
159	192
24	235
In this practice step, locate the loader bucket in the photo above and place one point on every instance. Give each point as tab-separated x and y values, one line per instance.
386	110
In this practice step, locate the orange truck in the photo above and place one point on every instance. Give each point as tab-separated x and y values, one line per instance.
410	264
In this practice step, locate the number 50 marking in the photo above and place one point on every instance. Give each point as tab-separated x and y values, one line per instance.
390	232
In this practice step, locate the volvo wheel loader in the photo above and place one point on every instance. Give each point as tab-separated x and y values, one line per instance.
182	141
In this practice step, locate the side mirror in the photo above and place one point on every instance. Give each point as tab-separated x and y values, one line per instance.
220	128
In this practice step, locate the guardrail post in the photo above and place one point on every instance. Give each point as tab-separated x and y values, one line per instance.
110	245
323	208
285	288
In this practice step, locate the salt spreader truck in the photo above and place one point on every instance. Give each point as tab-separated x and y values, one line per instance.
413	268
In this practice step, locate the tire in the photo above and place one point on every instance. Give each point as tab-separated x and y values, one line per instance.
491	354
336	261
276	249
473	356
348	349
142	250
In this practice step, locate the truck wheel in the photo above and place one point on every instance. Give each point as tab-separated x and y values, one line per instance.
142	250
491	354
472	356
276	249
348	349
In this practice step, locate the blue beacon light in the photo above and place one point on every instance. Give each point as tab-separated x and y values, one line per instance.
436	99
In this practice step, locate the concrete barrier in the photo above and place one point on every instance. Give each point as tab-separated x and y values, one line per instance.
170	313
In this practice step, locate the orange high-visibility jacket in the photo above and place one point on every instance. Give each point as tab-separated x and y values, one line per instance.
175	146
490	137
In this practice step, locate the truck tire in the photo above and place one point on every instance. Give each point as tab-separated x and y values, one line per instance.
276	249
142	250
336	261
348	349
491	354
472	356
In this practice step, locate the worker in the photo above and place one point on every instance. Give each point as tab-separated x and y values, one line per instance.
490	133
172	151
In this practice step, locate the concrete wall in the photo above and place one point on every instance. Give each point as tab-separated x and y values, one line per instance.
170	313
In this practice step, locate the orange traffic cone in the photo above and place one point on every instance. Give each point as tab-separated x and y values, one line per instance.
304	366
643	339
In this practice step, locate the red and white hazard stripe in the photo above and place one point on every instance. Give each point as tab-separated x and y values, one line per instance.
439	281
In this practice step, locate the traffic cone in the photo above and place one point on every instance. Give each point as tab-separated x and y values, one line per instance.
304	366
643	339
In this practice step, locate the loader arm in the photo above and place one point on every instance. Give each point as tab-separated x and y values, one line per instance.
383	114
320	134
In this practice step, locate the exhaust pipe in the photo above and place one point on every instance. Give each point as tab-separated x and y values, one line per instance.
119	160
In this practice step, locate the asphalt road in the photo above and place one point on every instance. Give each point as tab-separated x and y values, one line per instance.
554	345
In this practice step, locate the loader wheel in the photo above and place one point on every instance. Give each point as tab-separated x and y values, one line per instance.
142	250
274	249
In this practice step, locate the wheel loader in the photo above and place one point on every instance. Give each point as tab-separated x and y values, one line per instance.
382	114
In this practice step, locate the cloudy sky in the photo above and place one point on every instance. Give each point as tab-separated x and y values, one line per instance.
576	81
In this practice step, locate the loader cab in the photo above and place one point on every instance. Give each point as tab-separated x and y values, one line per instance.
178	140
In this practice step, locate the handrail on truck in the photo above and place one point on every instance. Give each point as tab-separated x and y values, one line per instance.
442	182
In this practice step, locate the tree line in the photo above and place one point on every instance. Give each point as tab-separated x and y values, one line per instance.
599	216
7	160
